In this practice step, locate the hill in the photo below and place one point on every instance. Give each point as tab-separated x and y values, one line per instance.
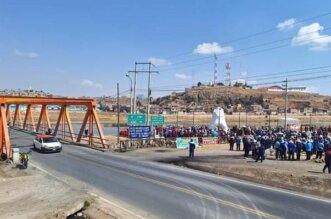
206	98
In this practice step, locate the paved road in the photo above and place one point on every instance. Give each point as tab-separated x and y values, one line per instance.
166	191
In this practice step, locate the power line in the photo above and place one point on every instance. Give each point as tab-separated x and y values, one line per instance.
295	80
256	34
240	50
291	71
270	74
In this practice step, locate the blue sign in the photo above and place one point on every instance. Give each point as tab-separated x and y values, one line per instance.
139	132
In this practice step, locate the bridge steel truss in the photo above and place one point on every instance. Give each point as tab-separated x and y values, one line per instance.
28	122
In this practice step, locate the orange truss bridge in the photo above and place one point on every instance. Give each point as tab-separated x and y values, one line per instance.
13	118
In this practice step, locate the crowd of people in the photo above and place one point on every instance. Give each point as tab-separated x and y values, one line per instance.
285	145
190	131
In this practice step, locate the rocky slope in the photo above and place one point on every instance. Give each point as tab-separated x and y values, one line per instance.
207	98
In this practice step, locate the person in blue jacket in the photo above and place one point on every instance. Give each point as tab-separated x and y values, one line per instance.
309	148
238	141
291	149
320	149
277	149
327	156
261	154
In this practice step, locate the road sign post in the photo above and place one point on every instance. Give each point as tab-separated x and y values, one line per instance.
157	120
136	119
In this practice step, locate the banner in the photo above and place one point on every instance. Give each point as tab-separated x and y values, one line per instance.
209	140
182	143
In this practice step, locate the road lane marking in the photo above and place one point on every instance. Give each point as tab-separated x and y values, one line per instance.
287	192
93	194
226	178
240	181
116	205
183	190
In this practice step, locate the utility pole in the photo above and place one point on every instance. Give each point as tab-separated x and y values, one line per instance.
131	105
135	83
118	113
193	116
246	118
215	69
134	89
239	120
286	92
149	92
177	119
270	121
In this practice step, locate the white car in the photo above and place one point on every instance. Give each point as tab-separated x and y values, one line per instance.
47	143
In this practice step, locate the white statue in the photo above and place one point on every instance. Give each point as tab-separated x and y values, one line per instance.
218	119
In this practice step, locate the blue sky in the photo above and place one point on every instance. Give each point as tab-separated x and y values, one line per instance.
84	47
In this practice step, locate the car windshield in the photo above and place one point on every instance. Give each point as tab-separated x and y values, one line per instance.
50	140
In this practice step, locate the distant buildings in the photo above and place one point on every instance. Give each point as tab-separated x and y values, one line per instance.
276	88
24	93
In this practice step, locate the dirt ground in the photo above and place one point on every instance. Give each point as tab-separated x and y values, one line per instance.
32	193
200	118
302	176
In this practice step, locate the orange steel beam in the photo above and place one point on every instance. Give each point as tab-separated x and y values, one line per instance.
5	139
91	117
47	118
64	122
17	116
47	101
97	122
1	135
90	129
43	118
82	128
58	121
8	114
40	117
71	130
29	116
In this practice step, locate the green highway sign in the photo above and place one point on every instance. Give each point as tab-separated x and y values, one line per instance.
136	119
157	120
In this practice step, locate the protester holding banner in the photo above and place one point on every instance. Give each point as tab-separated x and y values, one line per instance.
191	149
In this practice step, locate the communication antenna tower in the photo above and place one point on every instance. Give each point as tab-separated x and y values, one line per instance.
227	76
215	69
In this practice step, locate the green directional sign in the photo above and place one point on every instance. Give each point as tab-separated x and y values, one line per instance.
136	119
157	120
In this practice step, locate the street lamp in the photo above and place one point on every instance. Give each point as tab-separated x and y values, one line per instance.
128	76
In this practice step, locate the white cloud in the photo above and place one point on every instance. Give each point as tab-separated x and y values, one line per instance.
243	73
212	48
183	76
158	61
31	55
89	83
311	35
287	24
